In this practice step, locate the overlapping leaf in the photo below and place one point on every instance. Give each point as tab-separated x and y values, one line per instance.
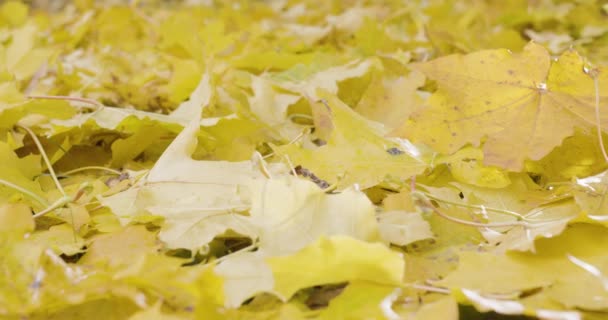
524	102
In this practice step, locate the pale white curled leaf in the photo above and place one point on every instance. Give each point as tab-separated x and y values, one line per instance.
590	195
198	199
489	304
387	305
177	165
593	270
558	315
289	213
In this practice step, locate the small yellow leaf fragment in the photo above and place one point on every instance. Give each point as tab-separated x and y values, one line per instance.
122	247
390	100
443	309
105	221
359	300
15	217
213	285
466	165
399	201
62	239
155	313
76	215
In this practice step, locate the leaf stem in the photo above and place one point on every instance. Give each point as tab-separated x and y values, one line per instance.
427	204
57	204
472	223
471	206
110	170
248	248
428	288
291	167
259	161
597	113
539	210
25	191
46	159
97	104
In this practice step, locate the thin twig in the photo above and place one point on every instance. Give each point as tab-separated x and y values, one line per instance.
36	78
68	98
248	248
25	191
46	159
428	288
291	167
110	170
57	204
261	165
471	206
440	213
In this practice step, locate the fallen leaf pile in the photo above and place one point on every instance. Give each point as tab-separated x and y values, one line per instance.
303	159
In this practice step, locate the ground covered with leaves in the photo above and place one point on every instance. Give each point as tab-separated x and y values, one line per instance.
303	159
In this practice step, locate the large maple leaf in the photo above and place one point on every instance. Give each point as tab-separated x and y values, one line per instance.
522	105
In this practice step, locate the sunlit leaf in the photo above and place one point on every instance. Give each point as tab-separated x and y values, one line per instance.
530	103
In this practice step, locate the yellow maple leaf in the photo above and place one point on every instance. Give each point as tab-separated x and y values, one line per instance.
523	105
